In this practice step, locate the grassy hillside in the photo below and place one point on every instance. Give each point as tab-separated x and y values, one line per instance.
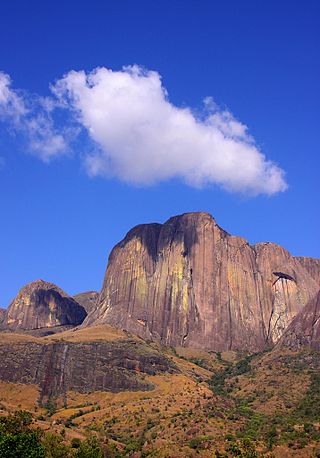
211	405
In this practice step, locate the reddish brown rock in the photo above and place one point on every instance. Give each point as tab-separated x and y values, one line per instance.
287	286
61	366
88	300
312	265
188	282
304	331
43	305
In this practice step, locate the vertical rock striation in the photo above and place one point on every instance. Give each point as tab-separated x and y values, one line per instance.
312	266
287	286
188	282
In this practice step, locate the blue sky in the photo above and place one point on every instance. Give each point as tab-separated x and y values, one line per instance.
259	61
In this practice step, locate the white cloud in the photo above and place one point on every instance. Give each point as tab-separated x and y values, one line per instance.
31	117
137	134
11	104
145	139
44	140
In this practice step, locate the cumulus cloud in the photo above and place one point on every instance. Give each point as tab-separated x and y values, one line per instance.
31	117
143	139
137	134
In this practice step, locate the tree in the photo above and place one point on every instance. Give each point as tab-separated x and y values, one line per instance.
17	439
54	446
89	449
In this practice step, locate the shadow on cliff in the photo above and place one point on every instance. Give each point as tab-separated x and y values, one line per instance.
155	237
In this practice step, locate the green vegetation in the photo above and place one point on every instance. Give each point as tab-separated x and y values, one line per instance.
199	362
54	446
51	407
241	449
295	427
194	423
19	438
134	443
218	381
89	448
198	442
309	407
68	423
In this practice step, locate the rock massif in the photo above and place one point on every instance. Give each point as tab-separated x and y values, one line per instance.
190	283
42	305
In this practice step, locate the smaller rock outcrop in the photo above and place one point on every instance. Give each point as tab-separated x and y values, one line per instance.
62	366
304	331
88	300
41	305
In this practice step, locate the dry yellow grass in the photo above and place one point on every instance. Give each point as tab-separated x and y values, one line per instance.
94	333
15	396
180	408
273	390
7	337
90	334
174	396
188	352
165	385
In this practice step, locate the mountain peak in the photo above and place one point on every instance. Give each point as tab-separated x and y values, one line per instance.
188	282
42	304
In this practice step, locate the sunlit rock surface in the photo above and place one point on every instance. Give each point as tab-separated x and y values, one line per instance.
42	305
190	283
312	265
304	331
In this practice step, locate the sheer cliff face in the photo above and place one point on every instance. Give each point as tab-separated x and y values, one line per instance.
304	331
188	282
288	286
42	305
83	366
312	266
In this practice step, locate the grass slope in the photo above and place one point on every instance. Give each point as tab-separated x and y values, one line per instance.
265	405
